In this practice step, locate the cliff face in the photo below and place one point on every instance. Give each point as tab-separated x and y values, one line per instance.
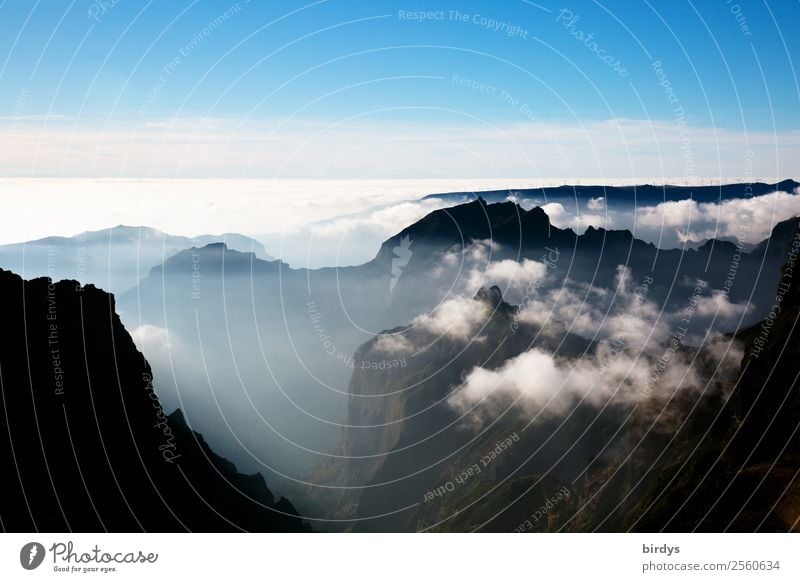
748	471
732	462
403	439
84	442
724	456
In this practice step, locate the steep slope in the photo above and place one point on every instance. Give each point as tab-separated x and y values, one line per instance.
726	459
745	474
402	437
85	444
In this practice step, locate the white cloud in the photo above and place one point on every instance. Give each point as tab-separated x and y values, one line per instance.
562	218
393	344
386	221
671	224
295	148
633	341
511	276
153	340
533	377
596	203
457	318
749	220
556	213
719	305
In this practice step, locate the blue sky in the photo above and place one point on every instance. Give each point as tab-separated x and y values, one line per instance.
84	66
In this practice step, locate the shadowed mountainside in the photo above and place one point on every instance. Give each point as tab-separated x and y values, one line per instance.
722	458
84	442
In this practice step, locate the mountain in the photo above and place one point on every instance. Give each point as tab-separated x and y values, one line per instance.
353	379
743	476
402	437
270	350
627	195
113	258
721	456
518	234
85	443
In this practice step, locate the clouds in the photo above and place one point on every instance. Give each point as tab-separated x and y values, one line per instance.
163	349
596	203
393	344
320	223
480	264
385	221
457	318
672	224
533	377
208	147
555	212
152	339
748	220
560	217
511	276
719	305
640	352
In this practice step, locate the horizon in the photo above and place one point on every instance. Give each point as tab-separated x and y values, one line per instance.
385	196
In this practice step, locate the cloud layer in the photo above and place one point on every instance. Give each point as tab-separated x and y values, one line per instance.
207	147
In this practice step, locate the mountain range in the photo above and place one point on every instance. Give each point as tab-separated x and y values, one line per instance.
627	195
261	355
112	258
404	394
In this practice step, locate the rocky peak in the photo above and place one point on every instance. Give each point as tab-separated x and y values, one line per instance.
492	296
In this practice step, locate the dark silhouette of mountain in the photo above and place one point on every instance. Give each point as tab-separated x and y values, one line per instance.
744	473
113	258
644	194
722	458
591	257
85	444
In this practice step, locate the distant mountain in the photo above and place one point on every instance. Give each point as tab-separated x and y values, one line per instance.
85	444
626	195
113	258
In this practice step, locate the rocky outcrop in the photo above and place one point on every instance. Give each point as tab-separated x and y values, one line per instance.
84	442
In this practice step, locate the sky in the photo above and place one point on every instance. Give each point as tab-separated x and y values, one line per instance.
344	89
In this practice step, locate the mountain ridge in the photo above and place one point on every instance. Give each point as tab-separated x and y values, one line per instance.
625	194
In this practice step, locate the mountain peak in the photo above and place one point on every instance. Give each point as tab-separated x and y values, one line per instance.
493	296
217	246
